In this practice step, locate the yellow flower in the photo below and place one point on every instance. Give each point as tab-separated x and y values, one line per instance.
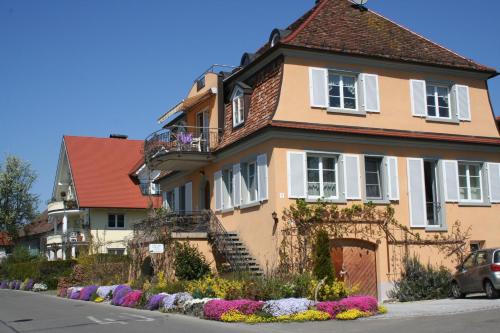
382	309
233	316
99	300
352	314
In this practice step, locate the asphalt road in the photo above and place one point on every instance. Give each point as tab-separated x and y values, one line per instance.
30	312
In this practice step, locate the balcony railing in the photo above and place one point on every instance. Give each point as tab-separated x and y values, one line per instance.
181	139
182	222
70	236
62	205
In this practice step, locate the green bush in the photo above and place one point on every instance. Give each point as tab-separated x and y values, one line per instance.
105	269
51	271
419	282
189	264
323	268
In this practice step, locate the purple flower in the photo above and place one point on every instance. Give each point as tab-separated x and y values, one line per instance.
87	292
29	285
185	138
216	308
286	306
155	301
362	303
105	291
132	299
4	284
119	294
75	293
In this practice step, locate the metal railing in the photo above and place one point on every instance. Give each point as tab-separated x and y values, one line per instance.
72	235
433	210
181	139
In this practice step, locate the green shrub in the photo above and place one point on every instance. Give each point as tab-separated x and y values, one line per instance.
323	268
51	271
189	264
419	282
105	269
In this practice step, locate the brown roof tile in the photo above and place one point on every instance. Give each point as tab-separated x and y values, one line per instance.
338	26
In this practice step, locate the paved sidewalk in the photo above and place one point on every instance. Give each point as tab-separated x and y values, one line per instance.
438	307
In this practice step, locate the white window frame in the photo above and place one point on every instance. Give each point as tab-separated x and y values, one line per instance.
238	107
341	85
255	179
320	169
116	227
436	101
467	175
227	175
116	249
380	178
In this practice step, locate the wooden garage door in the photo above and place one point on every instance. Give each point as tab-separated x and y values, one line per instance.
357	259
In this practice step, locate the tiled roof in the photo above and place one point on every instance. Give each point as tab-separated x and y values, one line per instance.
40	225
5	239
263	102
338	26
100	168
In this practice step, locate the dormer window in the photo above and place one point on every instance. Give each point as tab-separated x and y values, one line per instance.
238	107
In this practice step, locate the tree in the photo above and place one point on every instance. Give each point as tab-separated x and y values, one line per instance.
190	263
17	203
322	259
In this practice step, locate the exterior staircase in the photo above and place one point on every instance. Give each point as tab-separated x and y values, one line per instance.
229	246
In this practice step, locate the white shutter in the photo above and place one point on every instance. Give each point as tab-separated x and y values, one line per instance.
494	182
352	177
262	177
296	174
450	176
463	102
371	93
218	190
236	185
318	87
392	176
188	195
416	192
176	199
418	98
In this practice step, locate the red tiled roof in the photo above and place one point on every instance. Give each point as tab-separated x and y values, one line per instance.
338	26
5	239
100	168
40	225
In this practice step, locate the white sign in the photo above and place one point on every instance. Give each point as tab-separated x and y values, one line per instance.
156	248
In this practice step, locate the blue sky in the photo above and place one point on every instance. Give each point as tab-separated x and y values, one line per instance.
97	67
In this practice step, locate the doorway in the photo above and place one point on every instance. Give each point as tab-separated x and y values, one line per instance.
432	202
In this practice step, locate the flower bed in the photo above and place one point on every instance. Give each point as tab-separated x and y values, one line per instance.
238	310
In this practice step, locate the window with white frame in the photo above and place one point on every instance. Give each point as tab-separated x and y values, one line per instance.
169	200
116	221
373	178
438	101
342	91
251	181
469	180
322	176
238	108
116	252
227	179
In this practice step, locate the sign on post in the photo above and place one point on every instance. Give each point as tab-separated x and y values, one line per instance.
156	248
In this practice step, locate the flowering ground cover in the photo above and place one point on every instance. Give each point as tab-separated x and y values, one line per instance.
230	311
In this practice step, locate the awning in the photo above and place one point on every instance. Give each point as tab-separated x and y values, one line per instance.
174	117
188	103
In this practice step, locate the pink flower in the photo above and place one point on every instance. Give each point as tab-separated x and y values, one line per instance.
362	303
214	309
132	299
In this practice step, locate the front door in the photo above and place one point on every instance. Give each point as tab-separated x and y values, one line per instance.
355	263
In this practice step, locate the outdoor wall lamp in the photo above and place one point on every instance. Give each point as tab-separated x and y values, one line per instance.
275	217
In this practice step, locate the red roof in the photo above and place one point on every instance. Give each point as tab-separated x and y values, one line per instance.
338	26
5	239
101	172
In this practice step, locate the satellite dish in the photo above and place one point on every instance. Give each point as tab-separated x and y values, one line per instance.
360	2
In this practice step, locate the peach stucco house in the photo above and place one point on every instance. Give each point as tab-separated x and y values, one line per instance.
343	105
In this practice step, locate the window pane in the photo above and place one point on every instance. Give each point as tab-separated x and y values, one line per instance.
313	175
444	112
431	111
475	182
372	178
120	221
334	79
463	193
462	181
334	102
335	91
312	162
328	163
313	189
461	169
349	81
475	193
372	191
430	90
473	170
329	190
111	221
328	176
349	103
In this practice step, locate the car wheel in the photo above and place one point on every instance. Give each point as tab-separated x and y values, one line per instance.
490	291
455	290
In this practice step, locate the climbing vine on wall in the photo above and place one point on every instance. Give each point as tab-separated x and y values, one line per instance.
366	222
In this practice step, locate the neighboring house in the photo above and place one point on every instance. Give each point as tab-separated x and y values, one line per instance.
343	105
33	235
6	245
100	191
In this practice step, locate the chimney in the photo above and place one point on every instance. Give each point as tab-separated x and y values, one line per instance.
118	136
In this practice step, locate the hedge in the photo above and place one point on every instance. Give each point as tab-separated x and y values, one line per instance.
42	270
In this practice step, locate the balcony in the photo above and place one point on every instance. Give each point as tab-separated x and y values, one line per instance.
181	224
61	206
72	236
181	147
